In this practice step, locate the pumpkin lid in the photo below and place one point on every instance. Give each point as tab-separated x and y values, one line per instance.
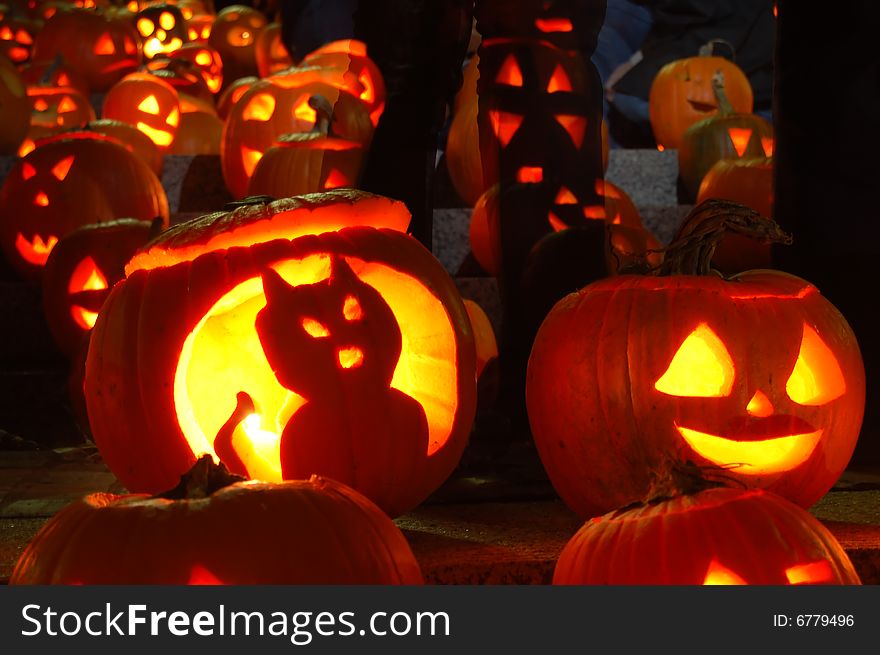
266	220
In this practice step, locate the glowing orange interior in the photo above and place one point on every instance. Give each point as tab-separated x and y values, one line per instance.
565	197
553	25
816	378
767	145
505	125
558	81
36	251
509	73
85	277
529	174
701	367
104	45
811	573
555	222
576	126
740	137
721	575
62	167
259	108
210	371
336	179
759	405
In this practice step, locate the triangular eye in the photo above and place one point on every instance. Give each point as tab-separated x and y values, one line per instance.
721	575
173	118
555	222
813	573
303	111
575	126
28	171
565	197
104	45
259	108
40	104
509	73
767	145
149	105
315	329
558	81
701	367
249	159
129	46
816	378
740	137
62	168
66	105
505	125
352	309
23	37
335	179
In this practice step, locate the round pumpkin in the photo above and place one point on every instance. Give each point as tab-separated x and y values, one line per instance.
748	181
718	536
15	109
70	181
757	373
313	531
232	94
681	94
149	103
80	272
200	131
308	162
206	60
280	105
270	52
131	138
234	35
161	27
100	48
53	74
242	335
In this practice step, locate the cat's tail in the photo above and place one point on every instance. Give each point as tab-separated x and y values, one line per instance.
223	445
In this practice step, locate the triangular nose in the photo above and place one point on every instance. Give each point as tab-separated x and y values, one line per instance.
759	405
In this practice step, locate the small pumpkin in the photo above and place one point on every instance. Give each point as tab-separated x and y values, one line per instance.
681	94
67	182
17	38
718	536
206	60
53	73
162	28
149	103
758	373
80	272
216	529
308	162
290	345
234	35
725	135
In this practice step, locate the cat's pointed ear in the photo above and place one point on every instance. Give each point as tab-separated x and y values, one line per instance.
273	285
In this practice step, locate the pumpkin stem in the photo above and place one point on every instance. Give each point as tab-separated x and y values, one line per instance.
324	115
691	251
203	479
677	478
248	202
46	79
724	106
708	48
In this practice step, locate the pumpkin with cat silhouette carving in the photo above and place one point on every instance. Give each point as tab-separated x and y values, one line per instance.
286	338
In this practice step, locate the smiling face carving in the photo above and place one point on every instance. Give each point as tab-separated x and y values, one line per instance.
759	439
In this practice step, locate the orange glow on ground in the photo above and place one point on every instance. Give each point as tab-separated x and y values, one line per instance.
740	137
37	251
762	457
210	372
701	367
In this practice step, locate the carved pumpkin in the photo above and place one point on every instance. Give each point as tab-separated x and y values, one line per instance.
350	56
308	162
53	73
234	36
758	373
745	537
55	109
15	109
681	94
356	362
101	49
232	94
206	60
748	181
329	534
67	182
80	272
280	105
17	38
162	29
147	102
198	28
725	135
270	52
183	74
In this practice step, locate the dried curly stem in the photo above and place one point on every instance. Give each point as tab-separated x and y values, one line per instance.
202	480
690	253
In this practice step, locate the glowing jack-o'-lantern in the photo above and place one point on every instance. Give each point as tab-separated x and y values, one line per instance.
17	38
746	537
80	272
757	373
350	55
15	108
147	102
308	162
351	343
67	182
270	52
234	36
53	73
206	60
748	181
280	105
682	94
331	535
726	135
198	28
103	51
55	109
232	94
131	138
162	29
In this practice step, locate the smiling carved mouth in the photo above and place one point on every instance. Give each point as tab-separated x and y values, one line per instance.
702	107
753	457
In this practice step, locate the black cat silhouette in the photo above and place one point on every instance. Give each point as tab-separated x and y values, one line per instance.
337	343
